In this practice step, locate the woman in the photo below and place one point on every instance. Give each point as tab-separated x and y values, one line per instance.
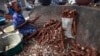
45	2
19	22
59	2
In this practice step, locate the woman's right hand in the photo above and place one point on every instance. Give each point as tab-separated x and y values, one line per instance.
21	25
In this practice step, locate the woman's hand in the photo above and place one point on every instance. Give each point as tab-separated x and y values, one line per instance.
21	25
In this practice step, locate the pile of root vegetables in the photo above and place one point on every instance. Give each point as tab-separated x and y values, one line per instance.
50	41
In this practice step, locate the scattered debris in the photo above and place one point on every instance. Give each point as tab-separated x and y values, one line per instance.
50	41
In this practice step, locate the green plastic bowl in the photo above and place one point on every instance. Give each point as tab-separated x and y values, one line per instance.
11	44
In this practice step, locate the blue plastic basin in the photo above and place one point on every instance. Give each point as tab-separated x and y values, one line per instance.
2	20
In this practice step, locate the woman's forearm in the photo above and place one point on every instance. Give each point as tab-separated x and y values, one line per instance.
21	25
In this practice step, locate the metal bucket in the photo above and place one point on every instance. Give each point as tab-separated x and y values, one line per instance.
11	44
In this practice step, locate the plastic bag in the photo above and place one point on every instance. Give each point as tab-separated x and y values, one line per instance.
67	26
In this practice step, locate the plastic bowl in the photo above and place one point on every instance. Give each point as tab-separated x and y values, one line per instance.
9	29
11	44
2	20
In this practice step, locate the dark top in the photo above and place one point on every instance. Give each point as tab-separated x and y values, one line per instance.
18	19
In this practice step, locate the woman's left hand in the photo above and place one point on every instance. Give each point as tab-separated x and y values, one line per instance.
21	25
